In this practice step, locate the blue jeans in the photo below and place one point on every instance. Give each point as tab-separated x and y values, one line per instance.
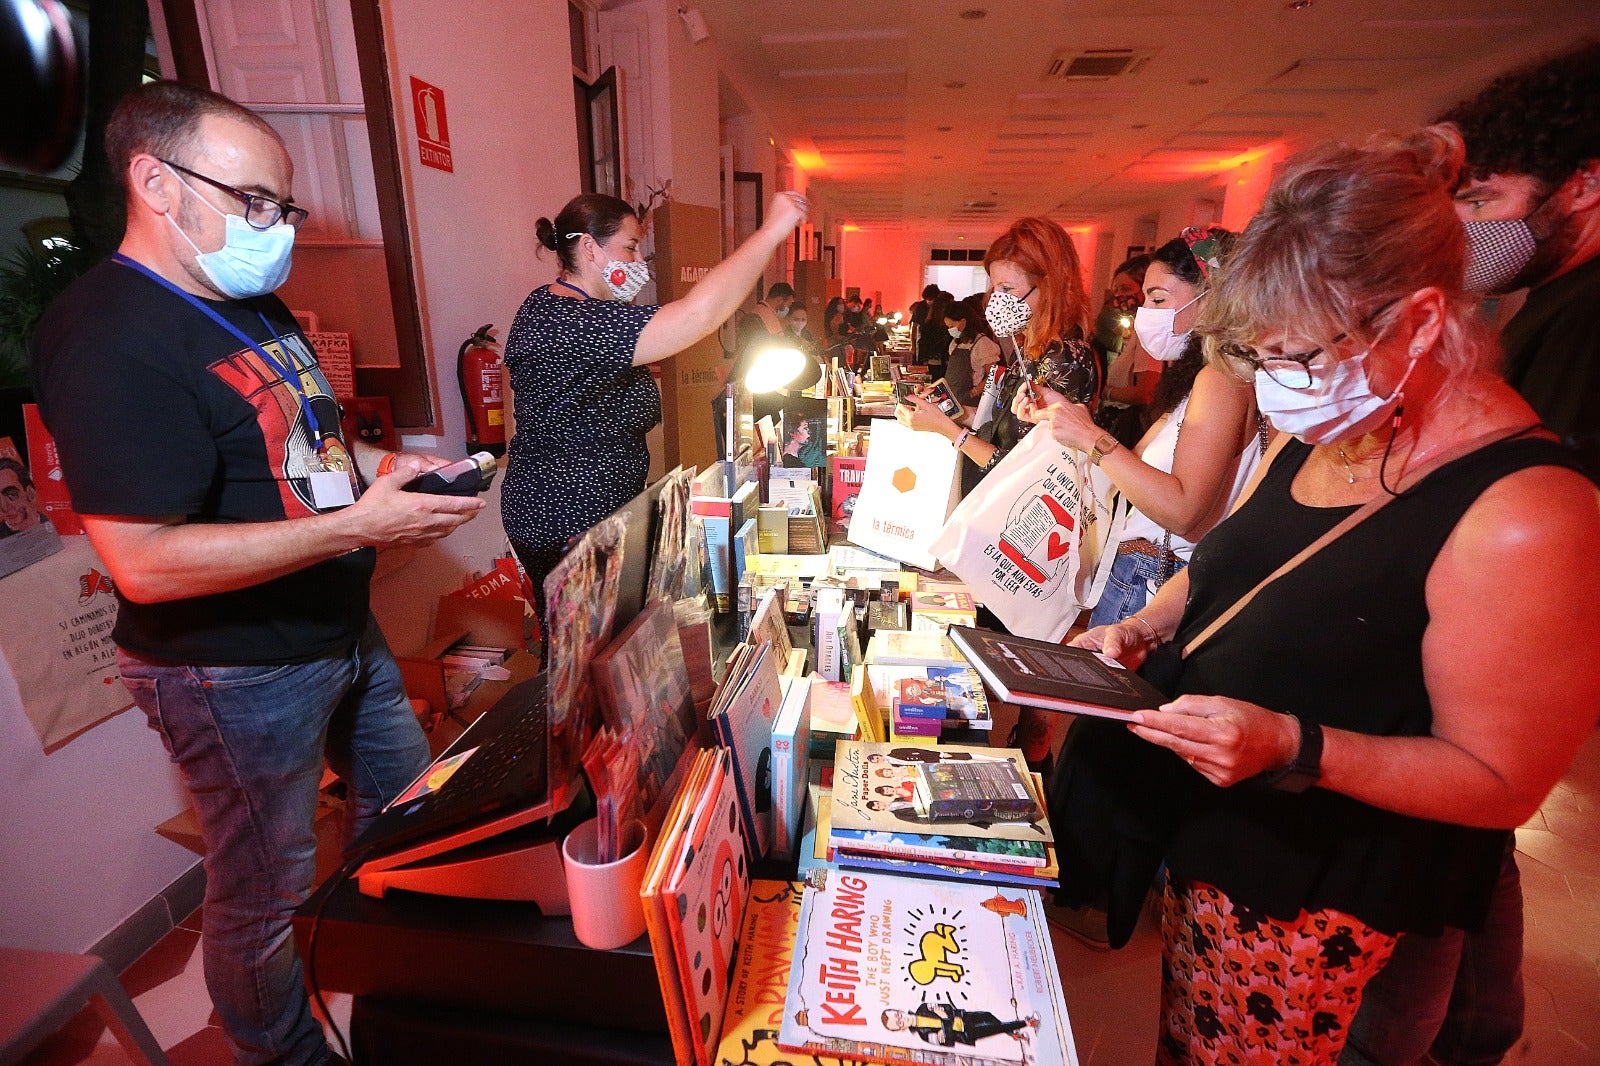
250	742
1457	996
1126	588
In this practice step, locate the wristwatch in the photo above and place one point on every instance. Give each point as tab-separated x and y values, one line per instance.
1306	768
1103	447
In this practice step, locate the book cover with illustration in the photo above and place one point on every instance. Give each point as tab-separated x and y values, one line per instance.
874	789
848	473
761	980
643	685
742	715
895	969
703	888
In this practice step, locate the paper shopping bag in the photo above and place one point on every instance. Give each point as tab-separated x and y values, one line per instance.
1031	539
907	492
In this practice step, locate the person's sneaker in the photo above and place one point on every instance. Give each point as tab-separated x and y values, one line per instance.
1086	924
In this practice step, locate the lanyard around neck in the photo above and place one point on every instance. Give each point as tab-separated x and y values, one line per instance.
569	285
290	376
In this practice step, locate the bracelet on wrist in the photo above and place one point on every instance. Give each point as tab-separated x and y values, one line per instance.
1156	637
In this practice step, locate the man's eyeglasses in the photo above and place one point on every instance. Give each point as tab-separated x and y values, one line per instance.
261	212
1292	371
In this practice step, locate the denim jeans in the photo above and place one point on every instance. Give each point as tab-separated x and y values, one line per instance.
250	742
1127	589
1457	996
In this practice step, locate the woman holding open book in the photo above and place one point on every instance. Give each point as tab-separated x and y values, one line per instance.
1368	692
576	355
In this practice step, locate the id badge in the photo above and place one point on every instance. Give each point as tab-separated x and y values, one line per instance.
333	483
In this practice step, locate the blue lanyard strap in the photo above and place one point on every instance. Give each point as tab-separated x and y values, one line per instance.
290	375
567	284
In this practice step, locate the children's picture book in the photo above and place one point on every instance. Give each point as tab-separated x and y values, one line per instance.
896	969
761	979
581	598
874	789
651	895
703	888
643	685
1056	677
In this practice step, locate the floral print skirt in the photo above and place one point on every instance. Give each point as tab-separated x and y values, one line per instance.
1240	988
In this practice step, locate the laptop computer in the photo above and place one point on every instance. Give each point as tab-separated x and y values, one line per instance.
493	779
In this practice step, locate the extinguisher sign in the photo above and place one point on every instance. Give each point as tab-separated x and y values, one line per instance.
433	134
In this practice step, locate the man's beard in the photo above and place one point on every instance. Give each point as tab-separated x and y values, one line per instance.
1554	239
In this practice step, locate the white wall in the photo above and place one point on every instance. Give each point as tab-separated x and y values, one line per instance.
506	72
79	852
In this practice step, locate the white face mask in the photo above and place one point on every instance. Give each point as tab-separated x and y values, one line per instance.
251	262
1154	327
626	279
955	333
1008	314
1338	400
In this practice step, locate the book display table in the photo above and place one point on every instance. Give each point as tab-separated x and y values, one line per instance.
481	981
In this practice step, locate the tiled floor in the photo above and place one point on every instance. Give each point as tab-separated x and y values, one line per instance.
1112	995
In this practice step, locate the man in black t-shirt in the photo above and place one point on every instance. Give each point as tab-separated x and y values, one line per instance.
1530	199
200	442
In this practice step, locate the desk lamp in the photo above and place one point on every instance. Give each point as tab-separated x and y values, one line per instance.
778	365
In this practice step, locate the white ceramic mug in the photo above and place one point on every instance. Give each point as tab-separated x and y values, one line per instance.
606	910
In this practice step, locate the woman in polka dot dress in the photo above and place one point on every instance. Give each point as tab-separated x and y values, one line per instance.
577	353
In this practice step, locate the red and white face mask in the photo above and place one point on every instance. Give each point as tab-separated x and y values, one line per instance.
626	279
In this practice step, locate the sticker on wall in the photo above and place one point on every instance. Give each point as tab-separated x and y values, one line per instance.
433	132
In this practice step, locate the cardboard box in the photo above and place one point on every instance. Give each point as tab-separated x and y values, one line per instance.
494	623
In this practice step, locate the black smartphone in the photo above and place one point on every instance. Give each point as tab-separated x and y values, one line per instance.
465	478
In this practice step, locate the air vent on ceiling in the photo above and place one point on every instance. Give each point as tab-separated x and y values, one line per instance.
1096	64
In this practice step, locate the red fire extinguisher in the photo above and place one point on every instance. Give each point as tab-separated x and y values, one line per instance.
482	375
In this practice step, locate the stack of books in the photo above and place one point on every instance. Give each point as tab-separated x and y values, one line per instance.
952	692
928	811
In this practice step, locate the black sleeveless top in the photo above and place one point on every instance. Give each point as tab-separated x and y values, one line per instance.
1337	641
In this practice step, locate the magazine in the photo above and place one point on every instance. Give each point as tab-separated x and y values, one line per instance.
643	685
581	601
897	969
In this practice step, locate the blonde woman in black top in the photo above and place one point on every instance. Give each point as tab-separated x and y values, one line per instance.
1343	759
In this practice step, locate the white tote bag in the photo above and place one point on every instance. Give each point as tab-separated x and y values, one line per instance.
906	494
1031	539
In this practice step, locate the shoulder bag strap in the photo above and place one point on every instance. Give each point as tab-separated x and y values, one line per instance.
1366	511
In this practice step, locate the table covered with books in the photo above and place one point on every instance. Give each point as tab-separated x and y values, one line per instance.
838	862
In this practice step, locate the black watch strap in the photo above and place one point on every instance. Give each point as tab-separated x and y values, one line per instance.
1306	769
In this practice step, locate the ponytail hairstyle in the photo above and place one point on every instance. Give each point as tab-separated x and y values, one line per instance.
598	215
1042	249
1344	231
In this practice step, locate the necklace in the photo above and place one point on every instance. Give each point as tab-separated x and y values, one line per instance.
1349	471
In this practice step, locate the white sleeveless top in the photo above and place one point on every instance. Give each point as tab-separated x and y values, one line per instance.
1159	454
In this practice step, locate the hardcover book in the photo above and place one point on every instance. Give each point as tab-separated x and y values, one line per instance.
874	789
848	473
705	886
791	760
910	648
1055	677
742	714
761	979
896	969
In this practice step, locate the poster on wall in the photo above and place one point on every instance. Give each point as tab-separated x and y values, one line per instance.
55	634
